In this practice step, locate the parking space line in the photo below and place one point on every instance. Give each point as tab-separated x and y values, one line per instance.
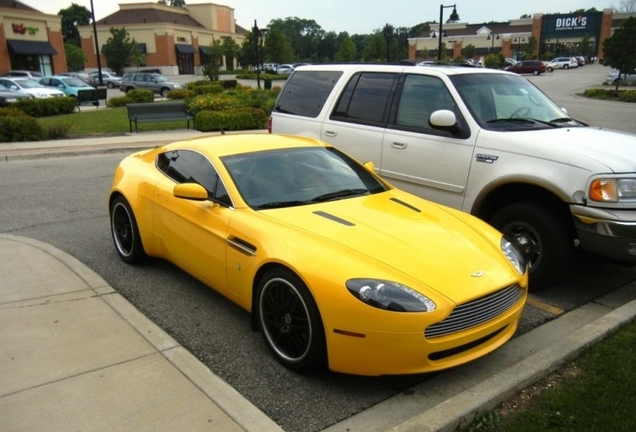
544	306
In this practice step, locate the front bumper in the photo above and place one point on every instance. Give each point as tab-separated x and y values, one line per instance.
609	233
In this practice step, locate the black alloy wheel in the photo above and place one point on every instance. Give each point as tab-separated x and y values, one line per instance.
125	232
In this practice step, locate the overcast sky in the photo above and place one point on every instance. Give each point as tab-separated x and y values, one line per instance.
356	16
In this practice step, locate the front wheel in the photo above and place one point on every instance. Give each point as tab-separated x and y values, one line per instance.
541	236
550	69
566	67
164	92
125	232
110	85
536	72
290	321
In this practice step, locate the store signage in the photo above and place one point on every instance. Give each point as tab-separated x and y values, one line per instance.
21	29
183	39
571	23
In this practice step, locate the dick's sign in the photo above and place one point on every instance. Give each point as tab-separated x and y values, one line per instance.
571	23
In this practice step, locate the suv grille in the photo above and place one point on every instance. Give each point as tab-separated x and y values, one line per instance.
476	312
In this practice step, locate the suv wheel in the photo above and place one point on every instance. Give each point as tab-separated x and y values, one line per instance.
566	67
164	92
535	72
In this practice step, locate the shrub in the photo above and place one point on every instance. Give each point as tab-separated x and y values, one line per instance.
234	119
227	84
58	130
117	102
47	106
20	128
140	96
202	82
214	102
12	112
180	94
208	89
627	96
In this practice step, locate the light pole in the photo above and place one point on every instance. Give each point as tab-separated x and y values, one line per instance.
519	41
453	17
257	38
99	60
491	37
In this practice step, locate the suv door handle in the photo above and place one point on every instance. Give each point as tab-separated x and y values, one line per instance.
331	132
398	144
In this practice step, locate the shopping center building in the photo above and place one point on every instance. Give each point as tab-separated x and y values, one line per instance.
555	35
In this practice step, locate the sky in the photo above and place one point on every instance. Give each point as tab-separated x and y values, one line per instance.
355	16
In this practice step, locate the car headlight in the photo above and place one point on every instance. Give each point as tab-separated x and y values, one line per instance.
613	190
513	255
388	295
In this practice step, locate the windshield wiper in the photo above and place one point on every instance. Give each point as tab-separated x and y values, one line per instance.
562	120
280	204
340	194
521	120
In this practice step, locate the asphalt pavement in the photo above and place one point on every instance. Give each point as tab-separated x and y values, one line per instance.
76	355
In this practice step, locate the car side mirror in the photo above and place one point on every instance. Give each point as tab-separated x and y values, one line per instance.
370	166
443	119
190	191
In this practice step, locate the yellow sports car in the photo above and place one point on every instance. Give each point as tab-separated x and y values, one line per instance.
336	266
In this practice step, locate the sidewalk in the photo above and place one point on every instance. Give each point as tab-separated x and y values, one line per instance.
75	355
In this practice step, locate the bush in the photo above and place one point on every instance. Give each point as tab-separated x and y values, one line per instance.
214	102
227	84
208	89
20	128
12	112
202	82
140	96
117	102
47	106
58	130
180	94
627	96
230	120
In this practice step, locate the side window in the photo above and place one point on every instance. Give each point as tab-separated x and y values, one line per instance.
185	166
56	82
366	98
305	93
421	96
45	81
138	77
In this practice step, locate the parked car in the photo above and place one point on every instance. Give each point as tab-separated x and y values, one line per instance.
155	82
270	67
23	74
284	69
510	62
535	67
7	96
32	87
69	85
562	63
580	60
109	79
79	75
413	285
484	141
624	79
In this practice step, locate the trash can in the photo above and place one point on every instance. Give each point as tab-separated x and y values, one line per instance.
267	83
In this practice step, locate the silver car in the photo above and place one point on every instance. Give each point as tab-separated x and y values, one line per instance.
108	78
155	82
625	79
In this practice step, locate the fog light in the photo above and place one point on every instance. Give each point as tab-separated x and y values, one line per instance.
631	248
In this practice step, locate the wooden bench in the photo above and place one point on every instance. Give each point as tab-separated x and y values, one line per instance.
91	95
158	112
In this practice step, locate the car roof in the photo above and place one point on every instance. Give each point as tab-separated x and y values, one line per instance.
442	69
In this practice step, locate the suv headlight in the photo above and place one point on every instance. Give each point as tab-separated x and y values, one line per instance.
613	190
514	256
390	296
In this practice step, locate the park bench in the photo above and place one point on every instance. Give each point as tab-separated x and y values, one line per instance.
91	95
158	112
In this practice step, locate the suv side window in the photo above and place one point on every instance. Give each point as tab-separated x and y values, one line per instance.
366	98
421	96
138	77
184	166
305	93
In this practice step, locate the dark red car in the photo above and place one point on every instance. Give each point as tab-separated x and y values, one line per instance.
535	67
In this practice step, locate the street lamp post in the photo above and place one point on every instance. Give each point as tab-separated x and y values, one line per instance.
99	60
258	51
453	17
491	37
519	41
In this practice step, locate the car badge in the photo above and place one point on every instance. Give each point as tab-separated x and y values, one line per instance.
479	273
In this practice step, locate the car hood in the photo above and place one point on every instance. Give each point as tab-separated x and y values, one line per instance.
49	91
422	240
590	148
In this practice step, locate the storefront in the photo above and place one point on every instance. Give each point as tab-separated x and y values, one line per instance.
30	40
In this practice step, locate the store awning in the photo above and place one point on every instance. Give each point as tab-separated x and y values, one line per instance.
205	50
30	47
185	49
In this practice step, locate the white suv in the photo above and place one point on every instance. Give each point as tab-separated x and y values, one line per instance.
484	141
562	63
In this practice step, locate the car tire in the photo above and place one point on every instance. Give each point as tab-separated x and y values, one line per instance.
110	85
541	236
125	232
536	72
566	66
290	321
550	69
164	92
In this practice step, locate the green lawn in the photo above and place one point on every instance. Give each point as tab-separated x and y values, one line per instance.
600	397
106	121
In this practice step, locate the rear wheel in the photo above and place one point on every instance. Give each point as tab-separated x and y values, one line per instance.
540	235
566	67
125	232
290	321
535	72
164	92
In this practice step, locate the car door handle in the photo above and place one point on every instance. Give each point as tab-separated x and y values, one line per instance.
398	144
331	132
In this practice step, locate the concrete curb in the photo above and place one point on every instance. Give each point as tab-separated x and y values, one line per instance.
462	409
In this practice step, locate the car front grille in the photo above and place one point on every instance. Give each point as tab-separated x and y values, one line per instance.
476	312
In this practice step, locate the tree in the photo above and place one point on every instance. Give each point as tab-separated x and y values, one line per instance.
524	16
247	55
302	34
211	69
469	51
387	34
120	50
625	6
346	51
532	47
230	49
277	47
419	29
75	57
375	49
73	16
619	50
327	47
174	3
585	47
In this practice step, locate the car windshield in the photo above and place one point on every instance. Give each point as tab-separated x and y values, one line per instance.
508	102
300	176
27	83
160	78
74	82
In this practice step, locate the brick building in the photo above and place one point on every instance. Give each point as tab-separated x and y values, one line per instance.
174	40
